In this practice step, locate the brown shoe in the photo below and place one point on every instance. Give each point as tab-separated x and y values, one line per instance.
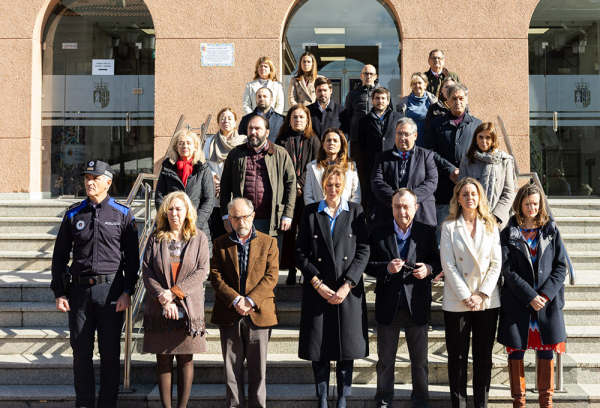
516	375
545	371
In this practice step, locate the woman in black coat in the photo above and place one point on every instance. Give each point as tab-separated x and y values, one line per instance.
531	316
302	144
332	251
185	169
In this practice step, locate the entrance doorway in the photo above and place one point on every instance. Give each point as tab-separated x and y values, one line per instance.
98	87
344	35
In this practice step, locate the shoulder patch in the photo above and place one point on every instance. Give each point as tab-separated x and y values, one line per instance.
118	206
74	209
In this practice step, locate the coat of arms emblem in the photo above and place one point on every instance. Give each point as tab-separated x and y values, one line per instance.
583	95
101	94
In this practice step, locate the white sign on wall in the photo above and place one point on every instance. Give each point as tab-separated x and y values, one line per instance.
217	54
103	67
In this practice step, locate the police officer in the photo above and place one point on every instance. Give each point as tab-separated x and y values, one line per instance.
104	239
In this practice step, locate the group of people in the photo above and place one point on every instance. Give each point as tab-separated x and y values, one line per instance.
438	201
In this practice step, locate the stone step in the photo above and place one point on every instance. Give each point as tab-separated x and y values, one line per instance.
51	207
284	340
28	260
26	242
581	242
36	314
579	207
42	369
585	260
38	225
285	396
578	225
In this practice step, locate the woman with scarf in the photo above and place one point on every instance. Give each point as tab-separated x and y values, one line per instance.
175	265
302	144
493	168
216	149
416	104
185	169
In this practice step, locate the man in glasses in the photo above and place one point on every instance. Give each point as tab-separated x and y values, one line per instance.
437	73
244	272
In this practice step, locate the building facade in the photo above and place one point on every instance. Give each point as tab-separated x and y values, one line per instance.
109	79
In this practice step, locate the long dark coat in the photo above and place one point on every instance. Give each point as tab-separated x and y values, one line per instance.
333	332
517	291
200	188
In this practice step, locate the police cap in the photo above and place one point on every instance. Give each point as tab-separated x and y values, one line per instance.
98	168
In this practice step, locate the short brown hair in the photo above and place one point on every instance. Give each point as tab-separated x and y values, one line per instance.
227	109
436	50
269	62
528	190
323	81
381	90
489	126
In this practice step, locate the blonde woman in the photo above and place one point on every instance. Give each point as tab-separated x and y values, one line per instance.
471	258
186	169
175	265
302	84
265	76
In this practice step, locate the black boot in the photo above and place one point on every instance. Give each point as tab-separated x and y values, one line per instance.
291	279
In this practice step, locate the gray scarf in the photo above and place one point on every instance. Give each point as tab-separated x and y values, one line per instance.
220	147
488	176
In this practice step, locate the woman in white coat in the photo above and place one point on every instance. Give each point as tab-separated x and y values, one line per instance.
333	150
471	258
264	77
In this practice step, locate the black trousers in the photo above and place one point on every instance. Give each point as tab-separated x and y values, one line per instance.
343	370
387	348
459	326
95	308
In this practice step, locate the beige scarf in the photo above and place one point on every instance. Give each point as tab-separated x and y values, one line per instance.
220	147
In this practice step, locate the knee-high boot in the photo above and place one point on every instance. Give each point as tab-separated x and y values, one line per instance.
516	375
545	370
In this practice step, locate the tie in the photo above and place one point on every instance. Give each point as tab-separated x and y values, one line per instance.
404	155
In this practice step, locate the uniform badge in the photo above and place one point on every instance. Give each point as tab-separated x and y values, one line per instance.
80	224
91	164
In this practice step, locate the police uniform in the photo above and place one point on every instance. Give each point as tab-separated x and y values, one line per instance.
104	241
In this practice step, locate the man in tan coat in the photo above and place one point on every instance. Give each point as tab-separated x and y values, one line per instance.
244	273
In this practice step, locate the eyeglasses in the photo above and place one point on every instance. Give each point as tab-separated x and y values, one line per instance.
369	73
240	218
436	58
404	134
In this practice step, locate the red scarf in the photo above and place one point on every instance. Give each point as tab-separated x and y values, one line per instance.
184	169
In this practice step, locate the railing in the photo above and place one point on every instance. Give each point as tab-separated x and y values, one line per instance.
572	275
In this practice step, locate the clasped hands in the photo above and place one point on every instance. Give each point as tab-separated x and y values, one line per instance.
334	298
538	302
421	271
474	301
166	299
244	307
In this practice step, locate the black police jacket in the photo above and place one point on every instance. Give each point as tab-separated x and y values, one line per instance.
100	238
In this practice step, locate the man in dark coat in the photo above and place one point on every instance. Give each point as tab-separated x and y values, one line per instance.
404	258
437	73
376	133
325	113
359	104
264	100
449	137
405	165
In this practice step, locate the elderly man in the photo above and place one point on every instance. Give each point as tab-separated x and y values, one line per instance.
404	258
325	113
264	101
376	134
103	236
244	272
405	165
437	73
358	104
264	174
450	136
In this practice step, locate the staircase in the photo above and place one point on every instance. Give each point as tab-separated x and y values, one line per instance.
36	360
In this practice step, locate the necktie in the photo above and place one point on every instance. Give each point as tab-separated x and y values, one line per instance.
403	164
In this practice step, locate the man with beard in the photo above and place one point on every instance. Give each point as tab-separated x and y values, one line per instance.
325	113
263	173
244	306
264	100
376	133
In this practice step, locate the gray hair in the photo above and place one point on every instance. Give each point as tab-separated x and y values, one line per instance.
452	89
244	200
405	191
268	89
407	121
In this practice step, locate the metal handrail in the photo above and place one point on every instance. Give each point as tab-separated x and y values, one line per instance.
572	275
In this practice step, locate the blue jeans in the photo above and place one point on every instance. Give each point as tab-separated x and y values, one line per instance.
442	211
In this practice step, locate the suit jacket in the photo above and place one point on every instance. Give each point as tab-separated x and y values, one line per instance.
450	144
422	179
249	98
275	122
333	332
422	247
261	279
470	265
335	116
